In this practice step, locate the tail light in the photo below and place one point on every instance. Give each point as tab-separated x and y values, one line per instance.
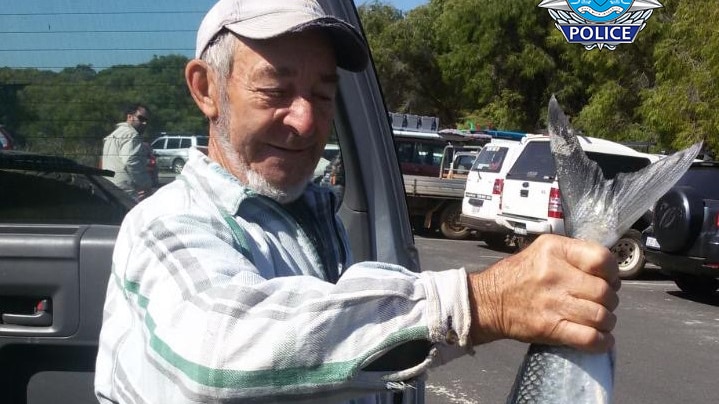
497	190
498	186
554	210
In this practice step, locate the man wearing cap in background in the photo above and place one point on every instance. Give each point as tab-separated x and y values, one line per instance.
236	282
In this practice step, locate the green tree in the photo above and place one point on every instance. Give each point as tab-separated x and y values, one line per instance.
681	108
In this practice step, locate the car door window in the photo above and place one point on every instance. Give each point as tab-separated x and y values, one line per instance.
613	164
173	143
202	140
158	144
185	143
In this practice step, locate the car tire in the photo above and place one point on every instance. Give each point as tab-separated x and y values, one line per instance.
678	217
178	165
700	286
630	254
449	223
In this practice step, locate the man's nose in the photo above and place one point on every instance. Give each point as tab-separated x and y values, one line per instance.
301	116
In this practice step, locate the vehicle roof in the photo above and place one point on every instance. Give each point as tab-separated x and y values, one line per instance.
416	134
597	145
165	134
20	160
444	135
517	140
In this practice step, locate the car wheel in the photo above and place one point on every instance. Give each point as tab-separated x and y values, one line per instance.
178	165
449	223
630	255
702	286
678	218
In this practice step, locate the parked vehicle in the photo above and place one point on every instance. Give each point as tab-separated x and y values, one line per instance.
171	149
434	201
331	151
52	190
461	164
480	204
66	266
531	202
684	237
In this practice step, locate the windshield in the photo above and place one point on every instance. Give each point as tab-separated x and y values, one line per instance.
490	159
534	164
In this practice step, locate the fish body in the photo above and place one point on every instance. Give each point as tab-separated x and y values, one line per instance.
558	374
600	210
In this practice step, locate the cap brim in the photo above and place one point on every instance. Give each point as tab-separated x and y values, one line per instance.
350	48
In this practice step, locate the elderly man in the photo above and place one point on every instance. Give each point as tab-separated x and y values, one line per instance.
237	283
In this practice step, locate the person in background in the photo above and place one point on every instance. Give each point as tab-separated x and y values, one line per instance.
124	153
236	283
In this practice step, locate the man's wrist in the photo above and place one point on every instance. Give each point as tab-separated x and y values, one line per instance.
482	307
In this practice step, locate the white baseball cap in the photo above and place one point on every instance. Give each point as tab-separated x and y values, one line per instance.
264	19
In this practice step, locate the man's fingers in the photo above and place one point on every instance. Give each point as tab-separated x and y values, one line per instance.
590	314
593	259
597	290
585	338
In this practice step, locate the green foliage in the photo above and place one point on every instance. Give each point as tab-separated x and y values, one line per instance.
681	107
70	111
497	62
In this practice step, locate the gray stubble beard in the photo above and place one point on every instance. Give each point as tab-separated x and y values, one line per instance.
254	180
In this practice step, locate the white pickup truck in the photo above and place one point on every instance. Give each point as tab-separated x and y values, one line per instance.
531	202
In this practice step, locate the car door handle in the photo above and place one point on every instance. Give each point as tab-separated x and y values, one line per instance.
42	317
524	193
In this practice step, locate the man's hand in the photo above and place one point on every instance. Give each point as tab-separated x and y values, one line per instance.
558	291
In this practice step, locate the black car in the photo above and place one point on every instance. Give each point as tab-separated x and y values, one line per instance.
51	190
684	237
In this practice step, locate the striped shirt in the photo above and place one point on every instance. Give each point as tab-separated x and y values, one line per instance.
218	294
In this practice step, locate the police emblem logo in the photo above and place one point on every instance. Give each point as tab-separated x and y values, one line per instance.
600	23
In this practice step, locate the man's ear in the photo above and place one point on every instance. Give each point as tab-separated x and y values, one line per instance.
202	84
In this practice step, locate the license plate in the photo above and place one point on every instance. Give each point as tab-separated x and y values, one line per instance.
652	242
521	231
476	209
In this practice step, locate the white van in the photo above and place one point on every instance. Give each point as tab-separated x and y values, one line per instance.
531	203
480	204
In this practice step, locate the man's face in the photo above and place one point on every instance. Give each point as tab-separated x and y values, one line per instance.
279	109
139	119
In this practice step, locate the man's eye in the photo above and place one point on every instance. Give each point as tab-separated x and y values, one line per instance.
276	93
324	97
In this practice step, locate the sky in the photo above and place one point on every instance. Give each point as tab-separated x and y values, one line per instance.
54	34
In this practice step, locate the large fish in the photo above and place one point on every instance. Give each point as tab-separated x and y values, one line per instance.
600	210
